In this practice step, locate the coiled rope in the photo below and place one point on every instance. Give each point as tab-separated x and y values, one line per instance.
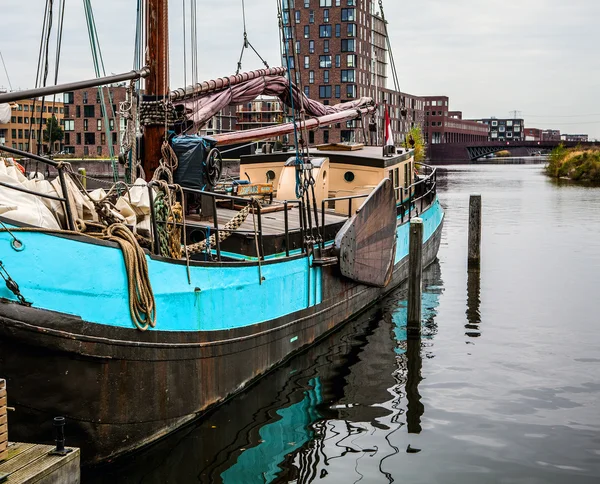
142	305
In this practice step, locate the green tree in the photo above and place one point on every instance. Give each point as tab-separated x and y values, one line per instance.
53	132
414	140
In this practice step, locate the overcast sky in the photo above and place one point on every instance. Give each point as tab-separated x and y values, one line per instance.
539	57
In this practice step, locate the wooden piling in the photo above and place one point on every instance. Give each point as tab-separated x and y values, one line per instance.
474	232
82	172
3	422
415	276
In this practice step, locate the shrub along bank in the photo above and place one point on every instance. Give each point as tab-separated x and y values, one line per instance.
575	163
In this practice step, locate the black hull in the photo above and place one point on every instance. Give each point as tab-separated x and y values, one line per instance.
121	389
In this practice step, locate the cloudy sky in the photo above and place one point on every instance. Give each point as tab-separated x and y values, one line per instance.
539	57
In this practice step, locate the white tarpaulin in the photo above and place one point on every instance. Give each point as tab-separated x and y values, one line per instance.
5	113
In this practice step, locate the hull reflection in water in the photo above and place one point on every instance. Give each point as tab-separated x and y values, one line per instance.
324	412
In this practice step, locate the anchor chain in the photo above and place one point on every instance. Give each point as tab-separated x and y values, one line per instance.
12	285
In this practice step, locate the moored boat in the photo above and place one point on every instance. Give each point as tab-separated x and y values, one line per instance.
133	311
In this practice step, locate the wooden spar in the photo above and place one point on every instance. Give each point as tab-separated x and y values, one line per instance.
223	83
281	129
157	83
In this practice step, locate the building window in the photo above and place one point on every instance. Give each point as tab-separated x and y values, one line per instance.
338	30
297	51
326	77
325	61
297	19
311	47
306	3
306	61
326	16
311	77
99	124
311	17
348	75
348	45
89	138
350	90
324	3
78	111
325	136
85	97
338	60
99	150
324	31
351	29
306	31
311	137
348	14
85	124
338	92
351	60
307	91
494	123
326	46
78	135
69	125
89	111
111	124
68	98
324	92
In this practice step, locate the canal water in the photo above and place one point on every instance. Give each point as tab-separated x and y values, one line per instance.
503	386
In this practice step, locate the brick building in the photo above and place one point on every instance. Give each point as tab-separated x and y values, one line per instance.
86	134
225	121
532	134
445	126
262	112
342	52
550	135
23	130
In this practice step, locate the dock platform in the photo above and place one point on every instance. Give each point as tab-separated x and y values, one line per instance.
32	464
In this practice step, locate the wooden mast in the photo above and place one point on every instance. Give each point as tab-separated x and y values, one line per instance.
157	83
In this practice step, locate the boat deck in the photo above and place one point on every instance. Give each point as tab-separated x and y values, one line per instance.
273	222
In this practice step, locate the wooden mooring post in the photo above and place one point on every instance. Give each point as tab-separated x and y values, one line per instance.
474	232
415	276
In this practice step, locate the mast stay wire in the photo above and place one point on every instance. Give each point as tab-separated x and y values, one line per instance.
392	61
6	71
247	44
100	70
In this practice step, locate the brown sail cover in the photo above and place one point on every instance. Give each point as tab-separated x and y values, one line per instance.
366	244
204	106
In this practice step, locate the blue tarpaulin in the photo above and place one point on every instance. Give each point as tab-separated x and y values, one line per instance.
191	151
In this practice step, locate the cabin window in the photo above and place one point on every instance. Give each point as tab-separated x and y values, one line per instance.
349	176
270	176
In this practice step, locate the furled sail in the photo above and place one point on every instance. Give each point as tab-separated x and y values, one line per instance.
203	104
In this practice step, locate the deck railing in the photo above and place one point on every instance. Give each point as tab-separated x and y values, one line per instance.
61	175
216	230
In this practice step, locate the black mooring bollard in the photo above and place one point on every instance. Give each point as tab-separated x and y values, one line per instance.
59	437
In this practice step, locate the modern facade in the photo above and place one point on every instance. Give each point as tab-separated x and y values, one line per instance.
86	133
341	49
574	137
29	122
505	129
445	126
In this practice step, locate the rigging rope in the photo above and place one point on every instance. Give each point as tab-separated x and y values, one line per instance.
247	44
101	71
6	71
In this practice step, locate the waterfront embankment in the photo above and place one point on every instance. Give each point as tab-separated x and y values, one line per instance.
576	164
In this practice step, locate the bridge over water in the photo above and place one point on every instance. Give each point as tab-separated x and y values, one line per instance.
470	151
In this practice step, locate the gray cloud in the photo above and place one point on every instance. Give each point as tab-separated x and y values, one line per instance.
536	56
